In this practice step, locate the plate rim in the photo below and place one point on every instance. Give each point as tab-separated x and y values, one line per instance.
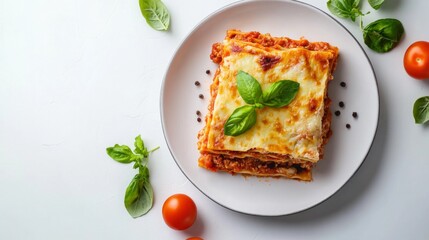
219	11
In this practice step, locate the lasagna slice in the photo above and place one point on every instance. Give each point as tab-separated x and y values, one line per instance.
284	142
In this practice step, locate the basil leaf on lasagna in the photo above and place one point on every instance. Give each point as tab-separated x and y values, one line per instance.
248	87
241	120
280	93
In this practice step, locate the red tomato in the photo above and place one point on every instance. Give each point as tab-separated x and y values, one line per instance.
194	238
416	60
179	211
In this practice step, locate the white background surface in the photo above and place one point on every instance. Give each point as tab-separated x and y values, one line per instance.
79	76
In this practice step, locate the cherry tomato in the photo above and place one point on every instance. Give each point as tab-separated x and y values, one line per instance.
416	60
194	238
179	211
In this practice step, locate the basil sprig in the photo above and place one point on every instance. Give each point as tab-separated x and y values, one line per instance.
382	35
139	194
155	13
421	110
279	94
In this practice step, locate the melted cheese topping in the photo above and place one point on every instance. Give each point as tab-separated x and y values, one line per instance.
294	130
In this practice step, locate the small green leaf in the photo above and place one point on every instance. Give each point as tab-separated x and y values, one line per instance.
139	147
376	4
248	87
421	110
383	35
139	196
122	154
344	8
280	93
156	14
136	165
144	172
241	120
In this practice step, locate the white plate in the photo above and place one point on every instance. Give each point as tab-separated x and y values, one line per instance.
346	149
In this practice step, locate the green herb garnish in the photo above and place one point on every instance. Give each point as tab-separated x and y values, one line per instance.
376	4
345	8
139	194
241	120
278	95
248	87
156	14
421	110
381	36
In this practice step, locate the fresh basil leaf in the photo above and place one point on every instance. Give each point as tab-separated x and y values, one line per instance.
137	164
376	4
345	8
144	172
156	14
241	120
138	196
421	110
139	147
122	154
248	87
280	93
383	35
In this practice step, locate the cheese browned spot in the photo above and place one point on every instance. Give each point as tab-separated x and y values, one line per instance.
285	141
268	62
